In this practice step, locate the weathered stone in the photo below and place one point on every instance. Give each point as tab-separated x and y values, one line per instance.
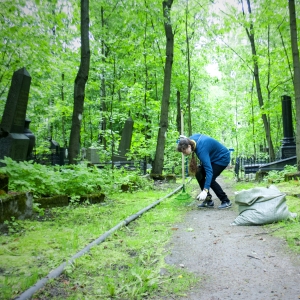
54	201
4	181
92	198
17	205
13	142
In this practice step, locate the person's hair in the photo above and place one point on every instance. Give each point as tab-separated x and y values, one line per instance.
181	146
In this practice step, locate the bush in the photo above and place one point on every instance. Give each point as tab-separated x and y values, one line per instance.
71	180
278	176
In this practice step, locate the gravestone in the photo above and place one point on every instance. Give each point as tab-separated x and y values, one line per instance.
13	142
288	148
92	155
125	142
31	137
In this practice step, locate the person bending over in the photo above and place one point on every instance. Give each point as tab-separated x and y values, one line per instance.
214	158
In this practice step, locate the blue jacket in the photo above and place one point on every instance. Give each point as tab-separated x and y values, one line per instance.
209	150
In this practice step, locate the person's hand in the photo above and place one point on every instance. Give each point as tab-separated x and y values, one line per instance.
202	195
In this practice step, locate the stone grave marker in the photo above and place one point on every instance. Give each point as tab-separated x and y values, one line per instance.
13	142
92	155
125	142
288	148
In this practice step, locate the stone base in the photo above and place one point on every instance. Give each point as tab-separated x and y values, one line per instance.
15	146
287	151
18	205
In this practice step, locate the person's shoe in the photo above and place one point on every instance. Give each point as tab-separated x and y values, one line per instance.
225	204
206	204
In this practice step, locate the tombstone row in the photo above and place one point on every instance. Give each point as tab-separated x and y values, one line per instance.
16	139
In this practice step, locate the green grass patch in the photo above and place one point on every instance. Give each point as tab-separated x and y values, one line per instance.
127	265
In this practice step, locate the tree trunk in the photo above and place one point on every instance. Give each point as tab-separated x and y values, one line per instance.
189	87
250	33
163	125
103	108
295	51
79	86
63	118
178	115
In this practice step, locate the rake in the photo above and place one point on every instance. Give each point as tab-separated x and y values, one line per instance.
184	195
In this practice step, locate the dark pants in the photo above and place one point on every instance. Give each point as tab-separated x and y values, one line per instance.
217	170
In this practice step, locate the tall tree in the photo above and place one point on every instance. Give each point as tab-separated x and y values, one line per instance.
164	119
250	34
295	50
189	85
80	82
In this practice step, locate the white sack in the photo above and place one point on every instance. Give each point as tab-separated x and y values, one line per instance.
261	205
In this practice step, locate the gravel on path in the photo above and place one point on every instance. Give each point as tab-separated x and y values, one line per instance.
233	262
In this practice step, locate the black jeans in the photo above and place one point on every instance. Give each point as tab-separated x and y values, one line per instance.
217	170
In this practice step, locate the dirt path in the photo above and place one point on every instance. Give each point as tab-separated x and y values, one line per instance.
234	262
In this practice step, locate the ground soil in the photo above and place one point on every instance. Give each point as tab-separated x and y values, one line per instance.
233	262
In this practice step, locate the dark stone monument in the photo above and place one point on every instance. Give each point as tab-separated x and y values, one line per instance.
125	141
13	142
31	137
55	152
288	148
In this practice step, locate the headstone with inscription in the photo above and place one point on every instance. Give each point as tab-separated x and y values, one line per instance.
13	142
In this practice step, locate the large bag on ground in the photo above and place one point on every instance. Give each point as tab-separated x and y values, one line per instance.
261	205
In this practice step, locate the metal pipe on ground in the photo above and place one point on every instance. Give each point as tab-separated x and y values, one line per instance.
56	272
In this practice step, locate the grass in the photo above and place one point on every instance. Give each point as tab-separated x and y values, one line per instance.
127	265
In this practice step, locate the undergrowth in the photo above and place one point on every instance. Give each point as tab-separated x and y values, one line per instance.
71	180
129	264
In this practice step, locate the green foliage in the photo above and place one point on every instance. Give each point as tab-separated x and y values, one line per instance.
44	37
126	265
14	226
278	176
71	180
27	176
37	209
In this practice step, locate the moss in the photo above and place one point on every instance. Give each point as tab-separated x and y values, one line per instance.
4	180
157	176
292	176
54	201
18	205
171	178
93	198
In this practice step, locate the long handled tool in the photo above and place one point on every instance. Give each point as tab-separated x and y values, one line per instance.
183	195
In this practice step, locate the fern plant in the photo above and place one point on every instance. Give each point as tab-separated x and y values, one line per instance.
71	180
278	176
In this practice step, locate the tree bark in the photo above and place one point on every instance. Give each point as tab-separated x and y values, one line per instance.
178	115
296	64
189	87
250	33
79	86
103	108
163	125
